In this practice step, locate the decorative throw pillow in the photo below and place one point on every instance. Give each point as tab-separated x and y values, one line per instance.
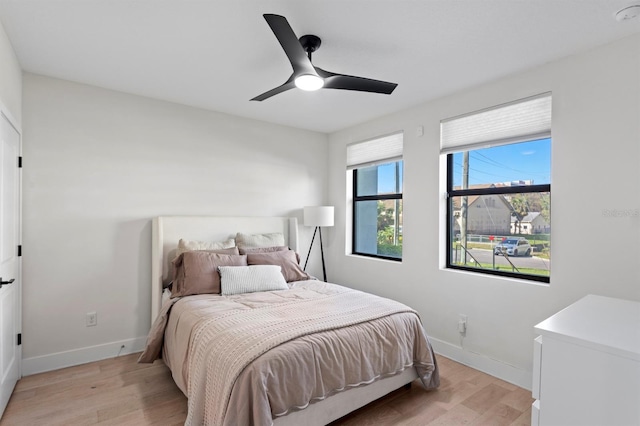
187	245
250	279
248	250
197	272
172	264
287	260
260	240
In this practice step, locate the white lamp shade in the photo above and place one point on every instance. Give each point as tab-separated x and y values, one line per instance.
318	216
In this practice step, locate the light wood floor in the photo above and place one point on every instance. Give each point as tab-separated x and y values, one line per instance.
121	392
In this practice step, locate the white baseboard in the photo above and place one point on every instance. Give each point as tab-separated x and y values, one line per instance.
499	369
55	361
40	364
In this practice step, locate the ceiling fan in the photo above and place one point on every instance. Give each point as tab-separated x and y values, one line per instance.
305	75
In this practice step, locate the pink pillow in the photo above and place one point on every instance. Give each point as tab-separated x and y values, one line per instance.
172	265
197	272
252	250
287	261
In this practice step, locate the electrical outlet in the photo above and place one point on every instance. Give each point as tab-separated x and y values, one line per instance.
462	324
92	319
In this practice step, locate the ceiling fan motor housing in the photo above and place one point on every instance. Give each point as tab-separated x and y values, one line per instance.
310	43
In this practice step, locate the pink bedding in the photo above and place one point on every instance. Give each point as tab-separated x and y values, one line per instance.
318	339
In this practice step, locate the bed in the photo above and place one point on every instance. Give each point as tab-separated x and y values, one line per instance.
297	367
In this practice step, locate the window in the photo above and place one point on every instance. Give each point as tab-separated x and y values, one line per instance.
499	189
377	175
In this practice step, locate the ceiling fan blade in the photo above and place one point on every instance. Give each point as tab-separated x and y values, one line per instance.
289	84
350	82
290	43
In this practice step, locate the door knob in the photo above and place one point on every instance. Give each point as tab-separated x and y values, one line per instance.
6	282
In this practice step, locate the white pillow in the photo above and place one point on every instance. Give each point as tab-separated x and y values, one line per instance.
260	240
249	279
186	245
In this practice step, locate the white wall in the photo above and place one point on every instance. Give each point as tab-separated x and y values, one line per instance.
10	80
595	168
98	166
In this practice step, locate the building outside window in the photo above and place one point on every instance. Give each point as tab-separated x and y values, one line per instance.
377	174
499	189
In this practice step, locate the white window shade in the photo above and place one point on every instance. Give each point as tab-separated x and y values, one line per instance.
519	121
375	151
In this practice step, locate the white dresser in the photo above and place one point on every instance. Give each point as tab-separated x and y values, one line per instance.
587	365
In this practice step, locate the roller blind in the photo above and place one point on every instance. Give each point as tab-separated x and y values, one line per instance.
381	150
518	121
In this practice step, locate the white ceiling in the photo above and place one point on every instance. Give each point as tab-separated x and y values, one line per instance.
218	54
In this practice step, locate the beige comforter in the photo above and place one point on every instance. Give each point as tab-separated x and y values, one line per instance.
246	359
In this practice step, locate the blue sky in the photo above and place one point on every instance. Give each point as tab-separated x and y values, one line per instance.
521	161
513	162
387	178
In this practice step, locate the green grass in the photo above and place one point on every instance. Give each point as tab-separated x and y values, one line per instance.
390	250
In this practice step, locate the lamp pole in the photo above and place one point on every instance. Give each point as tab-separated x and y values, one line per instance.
318	216
324	271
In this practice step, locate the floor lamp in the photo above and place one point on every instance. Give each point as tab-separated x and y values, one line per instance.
318	216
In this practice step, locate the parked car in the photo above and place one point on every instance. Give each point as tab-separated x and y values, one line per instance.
514	247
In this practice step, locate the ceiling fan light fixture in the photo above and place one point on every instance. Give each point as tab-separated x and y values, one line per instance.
628	13
309	82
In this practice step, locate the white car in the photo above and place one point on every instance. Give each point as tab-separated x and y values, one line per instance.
514	247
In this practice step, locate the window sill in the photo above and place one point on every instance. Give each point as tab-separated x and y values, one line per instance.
482	275
376	258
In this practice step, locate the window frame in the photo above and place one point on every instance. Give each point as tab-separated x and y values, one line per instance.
451	192
377	197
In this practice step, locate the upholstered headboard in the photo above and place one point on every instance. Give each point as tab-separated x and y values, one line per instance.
168	230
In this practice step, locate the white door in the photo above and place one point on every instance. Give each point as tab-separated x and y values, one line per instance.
10	294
